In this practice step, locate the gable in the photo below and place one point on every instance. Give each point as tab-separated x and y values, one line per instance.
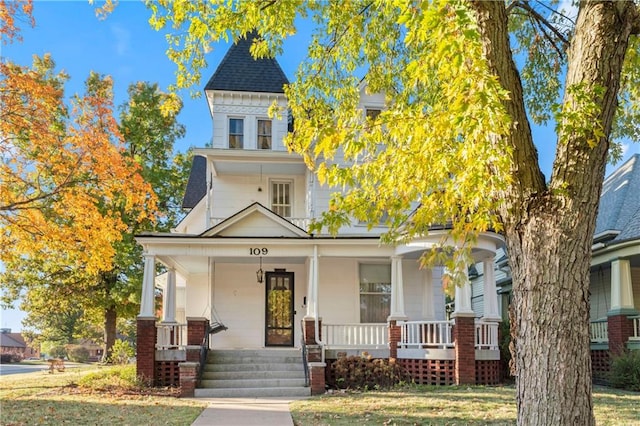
256	221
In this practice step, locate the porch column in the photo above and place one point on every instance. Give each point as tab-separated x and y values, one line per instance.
397	291
490	294
620	327
464	334
311	287
463	296
147	301
169	298
428	310
621	289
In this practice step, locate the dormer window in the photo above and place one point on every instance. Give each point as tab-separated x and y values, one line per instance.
264	134
236	133
373	113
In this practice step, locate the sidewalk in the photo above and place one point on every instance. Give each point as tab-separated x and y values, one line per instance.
245	412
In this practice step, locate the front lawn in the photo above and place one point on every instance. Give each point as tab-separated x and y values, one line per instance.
52	399
445	405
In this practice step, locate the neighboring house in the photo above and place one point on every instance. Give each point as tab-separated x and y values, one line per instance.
15	344
95	350
243	266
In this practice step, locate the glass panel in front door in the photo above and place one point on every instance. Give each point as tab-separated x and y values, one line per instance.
279	309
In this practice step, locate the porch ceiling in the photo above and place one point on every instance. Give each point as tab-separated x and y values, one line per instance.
252	162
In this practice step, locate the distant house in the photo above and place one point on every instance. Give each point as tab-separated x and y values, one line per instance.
246	280
15	344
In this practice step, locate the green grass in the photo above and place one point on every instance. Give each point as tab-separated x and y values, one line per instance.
445	405
52	399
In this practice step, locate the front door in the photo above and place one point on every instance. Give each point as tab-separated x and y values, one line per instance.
279	309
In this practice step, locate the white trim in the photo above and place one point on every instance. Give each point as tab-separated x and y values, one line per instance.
259	208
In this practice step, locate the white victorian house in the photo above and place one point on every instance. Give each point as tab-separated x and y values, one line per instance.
246	280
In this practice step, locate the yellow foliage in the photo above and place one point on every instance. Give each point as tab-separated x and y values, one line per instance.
65	183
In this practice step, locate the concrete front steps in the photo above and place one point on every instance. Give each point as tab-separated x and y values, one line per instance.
251	373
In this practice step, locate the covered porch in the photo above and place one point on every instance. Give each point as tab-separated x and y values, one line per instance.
224	284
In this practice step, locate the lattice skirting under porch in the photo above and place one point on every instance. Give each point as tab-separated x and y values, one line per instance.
488	372
600	363
167	373
430	371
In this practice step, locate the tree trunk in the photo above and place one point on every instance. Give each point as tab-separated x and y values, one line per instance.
549	229
550	257
110	317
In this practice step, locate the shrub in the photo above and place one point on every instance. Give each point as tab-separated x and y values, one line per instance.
6	358
77	353
111	378
505	351
57	351
363	372
625	371
121	352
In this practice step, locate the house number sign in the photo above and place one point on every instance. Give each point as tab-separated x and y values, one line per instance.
258	251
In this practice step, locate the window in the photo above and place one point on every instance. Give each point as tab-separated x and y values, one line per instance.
236	133
281	198
264	134
375	292
372	113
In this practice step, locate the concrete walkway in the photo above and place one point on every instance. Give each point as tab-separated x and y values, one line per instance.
245	412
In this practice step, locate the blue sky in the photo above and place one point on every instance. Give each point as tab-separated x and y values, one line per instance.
125	47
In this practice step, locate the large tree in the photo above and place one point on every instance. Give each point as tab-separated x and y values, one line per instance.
77	185
462	82
58	162
149	127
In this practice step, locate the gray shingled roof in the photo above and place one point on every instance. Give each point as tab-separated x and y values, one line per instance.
7	341
620	201
197	184
240	72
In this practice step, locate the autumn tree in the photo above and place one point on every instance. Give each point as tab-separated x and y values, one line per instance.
58	164
462	80
149	126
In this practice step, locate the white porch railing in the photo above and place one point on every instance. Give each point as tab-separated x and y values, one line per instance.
599	331
171	336
371	336
636	329
426	334
486	335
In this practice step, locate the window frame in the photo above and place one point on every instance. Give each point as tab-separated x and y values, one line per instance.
373	115
230	135
373	293
276	206
259	135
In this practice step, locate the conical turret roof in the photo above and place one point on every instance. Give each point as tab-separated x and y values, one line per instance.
241	72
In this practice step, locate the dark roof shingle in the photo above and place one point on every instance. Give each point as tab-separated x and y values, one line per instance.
197	184
240	72
619	208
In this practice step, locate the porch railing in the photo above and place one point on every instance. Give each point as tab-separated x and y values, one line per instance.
426	334
171	336
373	336
636	329
599	331
486	335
